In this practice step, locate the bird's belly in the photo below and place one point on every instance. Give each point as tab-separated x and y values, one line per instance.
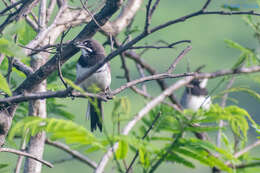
100	80
195	102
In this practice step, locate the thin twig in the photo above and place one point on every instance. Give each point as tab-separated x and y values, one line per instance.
92	16
60	56
48	94
155	5
10	7
20	158
146	133
74	153
49	11
163	157
148	17
62	160
179	57
247	165
206	5
161	47
17	152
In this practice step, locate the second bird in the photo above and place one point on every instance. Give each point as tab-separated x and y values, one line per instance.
196	96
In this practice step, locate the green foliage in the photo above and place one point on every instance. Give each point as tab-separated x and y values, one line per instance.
11	49
186	149
4	85
121	109
122	149
54	108
74	86
71	132
247	57
144	157
236	116
245	90
3	167
76	135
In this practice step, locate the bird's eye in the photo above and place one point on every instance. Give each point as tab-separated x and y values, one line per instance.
86	43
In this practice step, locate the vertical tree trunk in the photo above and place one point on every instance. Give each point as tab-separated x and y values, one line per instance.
37	108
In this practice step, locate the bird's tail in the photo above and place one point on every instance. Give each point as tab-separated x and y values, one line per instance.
95	113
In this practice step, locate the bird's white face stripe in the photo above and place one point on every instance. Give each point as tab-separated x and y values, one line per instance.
86	51
89	49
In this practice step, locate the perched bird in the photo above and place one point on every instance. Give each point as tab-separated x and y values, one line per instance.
196	96
92	53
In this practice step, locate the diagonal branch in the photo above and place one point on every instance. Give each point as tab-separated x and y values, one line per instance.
74	153
17	152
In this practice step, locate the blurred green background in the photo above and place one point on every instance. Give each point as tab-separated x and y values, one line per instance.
207	34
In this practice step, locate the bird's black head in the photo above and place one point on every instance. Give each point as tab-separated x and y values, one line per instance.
197	87
90	47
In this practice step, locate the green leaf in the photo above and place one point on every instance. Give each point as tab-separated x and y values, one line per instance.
54	108
4	85
246	90
203	157
3	165
71	132
248	19
178	159
11	49
122	149
144	157
74	86
235	45
121	108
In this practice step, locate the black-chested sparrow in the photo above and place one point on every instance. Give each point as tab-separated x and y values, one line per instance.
92	53
196	96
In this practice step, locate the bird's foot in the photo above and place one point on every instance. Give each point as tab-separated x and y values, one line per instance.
108	93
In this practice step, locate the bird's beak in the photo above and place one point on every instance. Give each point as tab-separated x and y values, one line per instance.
79	45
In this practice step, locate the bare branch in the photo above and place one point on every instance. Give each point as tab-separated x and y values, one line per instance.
177	60
22	67
206	5
49	11
32	23
148	17
155	5
126	15
246	165
20	158
42	14
247	149
10	7
45	95
74	153
160	47
17	152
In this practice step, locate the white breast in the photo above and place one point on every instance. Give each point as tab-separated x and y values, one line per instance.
189	101
100	79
